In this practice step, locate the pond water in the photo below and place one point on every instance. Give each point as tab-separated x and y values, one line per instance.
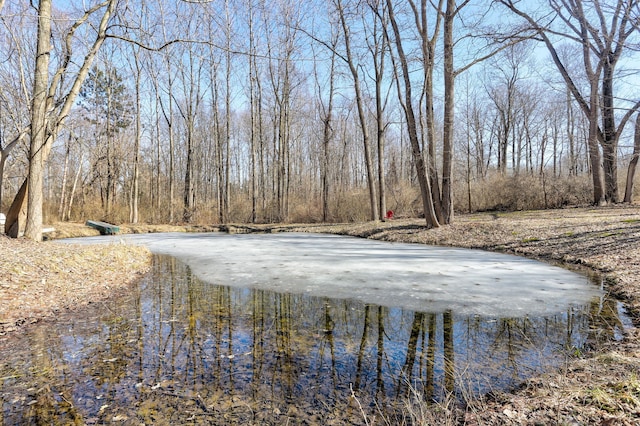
218	341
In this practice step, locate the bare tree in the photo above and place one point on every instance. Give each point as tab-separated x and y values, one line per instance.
359	99
50	105
284	78
255	106
135	185
450	73
503	91
188	95
4	154
602	30
412	124
226	186
628	192
15	93
190	78
327	117
379	48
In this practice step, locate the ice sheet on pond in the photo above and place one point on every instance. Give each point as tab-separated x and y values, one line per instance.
416	277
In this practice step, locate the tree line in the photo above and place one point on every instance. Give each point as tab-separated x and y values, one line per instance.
246	110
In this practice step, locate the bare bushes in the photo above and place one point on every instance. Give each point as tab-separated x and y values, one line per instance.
495	192
304	211
352	206
524	192
405	201
347	206
344	206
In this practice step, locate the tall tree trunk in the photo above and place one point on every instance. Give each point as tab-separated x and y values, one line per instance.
282	149
428	45
136	154
631	172
67	215
110	197
44	130
39	132
327	135
378	56
188	194
594	150
573	166
4	154
262	147
227	103
190	81
253	107
227	142
156	204
434	180
373	202
168	116
447	136
219	158
15	221
609	136
65	172
412	126
382	194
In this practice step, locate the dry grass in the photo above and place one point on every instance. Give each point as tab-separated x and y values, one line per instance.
38	280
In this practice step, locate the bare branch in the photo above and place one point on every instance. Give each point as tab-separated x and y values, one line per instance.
57	77
490	54
331	47
626	117
71	96
7	149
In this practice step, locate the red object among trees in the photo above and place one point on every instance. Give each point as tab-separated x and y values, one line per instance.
389	214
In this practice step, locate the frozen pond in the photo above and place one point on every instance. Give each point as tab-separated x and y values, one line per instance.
299	329
416	277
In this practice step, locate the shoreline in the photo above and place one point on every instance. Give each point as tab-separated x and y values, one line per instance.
598	386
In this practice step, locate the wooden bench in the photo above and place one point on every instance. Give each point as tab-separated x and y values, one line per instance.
104	227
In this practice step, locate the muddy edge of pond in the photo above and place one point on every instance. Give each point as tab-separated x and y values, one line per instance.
41	279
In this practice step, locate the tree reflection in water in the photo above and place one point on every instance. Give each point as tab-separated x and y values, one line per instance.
180	350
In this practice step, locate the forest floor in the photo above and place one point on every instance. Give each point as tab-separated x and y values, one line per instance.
600	386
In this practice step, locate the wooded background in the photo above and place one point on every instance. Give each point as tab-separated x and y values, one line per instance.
337	110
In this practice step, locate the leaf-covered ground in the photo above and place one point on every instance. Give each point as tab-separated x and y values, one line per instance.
600	387
38	280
